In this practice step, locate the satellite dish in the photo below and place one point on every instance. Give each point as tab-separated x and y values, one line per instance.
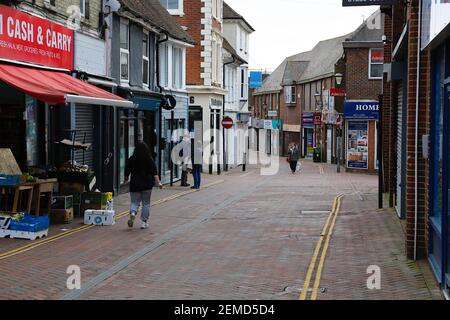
169	102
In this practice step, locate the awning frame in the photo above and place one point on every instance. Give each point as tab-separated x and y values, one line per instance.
70	98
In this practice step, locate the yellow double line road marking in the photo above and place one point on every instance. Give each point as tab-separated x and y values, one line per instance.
327	231
121	215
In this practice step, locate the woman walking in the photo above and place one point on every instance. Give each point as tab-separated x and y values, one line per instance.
293	156
144	174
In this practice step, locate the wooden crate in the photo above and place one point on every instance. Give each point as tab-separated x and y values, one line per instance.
61	216
71	187
62	202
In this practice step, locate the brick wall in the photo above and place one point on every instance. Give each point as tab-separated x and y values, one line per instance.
424	123
291	113
95	7
192	20
359	86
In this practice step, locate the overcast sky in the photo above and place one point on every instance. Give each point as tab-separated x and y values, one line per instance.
287	27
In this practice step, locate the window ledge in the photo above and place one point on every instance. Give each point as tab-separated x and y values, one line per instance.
176	12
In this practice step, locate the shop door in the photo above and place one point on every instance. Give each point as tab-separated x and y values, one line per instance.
12	131
84	126
257	139
309	143
268	142
446	225
399	184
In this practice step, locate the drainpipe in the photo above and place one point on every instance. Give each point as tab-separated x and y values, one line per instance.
225	155
161	89
417	129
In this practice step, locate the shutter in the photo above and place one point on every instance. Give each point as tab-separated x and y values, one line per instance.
84	123
399	194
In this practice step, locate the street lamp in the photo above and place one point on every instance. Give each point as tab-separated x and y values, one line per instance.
338	77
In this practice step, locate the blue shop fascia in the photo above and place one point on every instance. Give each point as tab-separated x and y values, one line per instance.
361	117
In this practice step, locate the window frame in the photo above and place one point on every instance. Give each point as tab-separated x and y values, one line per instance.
177	67
243	80
164	64
146	58
82	11
290	96
125	51
175	12
374	63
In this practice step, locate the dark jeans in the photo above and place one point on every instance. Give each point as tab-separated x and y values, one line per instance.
197	172
293	165
184	178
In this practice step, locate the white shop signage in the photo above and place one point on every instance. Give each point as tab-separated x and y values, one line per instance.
90	54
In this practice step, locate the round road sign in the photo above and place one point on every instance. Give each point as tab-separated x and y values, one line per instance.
227	122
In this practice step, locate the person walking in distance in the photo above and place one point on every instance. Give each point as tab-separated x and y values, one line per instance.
186	165
144	175
197	164
293	156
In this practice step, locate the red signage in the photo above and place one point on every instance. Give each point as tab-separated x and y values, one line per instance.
27	38
337	92
317	118
377	55
227	123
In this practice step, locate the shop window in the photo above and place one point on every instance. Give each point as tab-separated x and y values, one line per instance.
376	60
145	60
122	152
124	51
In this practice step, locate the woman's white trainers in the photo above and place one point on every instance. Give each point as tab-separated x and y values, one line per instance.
131	220
144	225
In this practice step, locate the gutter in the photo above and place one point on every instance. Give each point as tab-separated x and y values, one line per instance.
161	89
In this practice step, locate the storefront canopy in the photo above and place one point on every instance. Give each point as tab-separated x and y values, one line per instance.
58	88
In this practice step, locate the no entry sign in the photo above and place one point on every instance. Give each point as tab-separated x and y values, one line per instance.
227	123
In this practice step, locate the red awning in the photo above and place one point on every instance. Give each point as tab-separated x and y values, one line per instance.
56	87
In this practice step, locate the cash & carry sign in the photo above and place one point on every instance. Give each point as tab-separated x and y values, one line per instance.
27	38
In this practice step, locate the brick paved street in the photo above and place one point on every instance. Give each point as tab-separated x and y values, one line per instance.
243	236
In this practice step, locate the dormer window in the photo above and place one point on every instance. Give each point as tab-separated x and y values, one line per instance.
174	7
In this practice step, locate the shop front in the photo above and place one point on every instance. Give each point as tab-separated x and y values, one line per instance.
360	133
436	39
174	127
209	109
135	125
48	117
311	122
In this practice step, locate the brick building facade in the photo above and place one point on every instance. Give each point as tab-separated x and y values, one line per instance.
413	115
363	64
203	20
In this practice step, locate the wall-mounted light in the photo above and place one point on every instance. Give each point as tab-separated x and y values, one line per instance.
338	77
